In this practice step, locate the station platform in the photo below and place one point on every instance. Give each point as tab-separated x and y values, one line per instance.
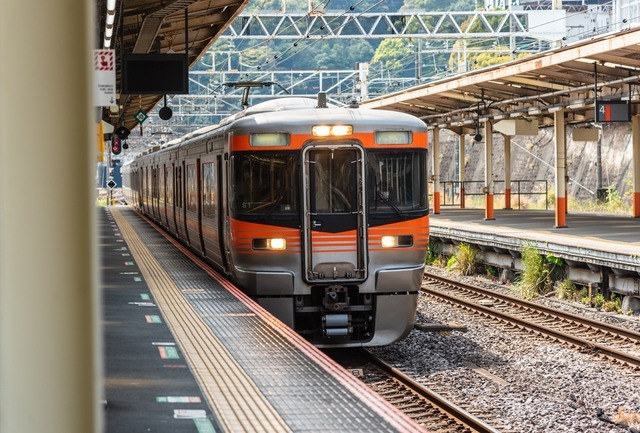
185	351
601	249
600	236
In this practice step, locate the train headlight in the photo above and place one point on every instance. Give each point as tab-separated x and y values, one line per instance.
332	130
396	241
278	244
273	244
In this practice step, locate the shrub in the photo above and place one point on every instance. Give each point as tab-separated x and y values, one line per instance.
598	300
492	272
433	254
452	263
538	272
612	305
566	290
464	260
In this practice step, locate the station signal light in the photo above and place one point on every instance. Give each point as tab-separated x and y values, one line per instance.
116	145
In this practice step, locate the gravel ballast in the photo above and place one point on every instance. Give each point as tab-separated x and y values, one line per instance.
526	384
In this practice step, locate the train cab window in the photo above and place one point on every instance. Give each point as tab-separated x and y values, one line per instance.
397	182
333	181
265	184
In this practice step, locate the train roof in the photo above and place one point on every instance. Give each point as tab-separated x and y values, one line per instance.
362	119
285	103
295	114
201	131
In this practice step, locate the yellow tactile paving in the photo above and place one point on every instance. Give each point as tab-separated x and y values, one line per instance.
237	402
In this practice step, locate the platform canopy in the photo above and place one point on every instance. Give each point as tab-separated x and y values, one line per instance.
533	87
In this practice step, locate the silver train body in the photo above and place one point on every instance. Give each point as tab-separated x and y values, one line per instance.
319	214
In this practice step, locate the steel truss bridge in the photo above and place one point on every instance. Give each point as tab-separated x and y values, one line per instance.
457	33
432	25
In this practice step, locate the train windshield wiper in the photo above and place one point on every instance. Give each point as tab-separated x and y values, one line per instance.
272	208
391	204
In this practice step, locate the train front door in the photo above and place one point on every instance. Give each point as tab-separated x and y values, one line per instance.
334	223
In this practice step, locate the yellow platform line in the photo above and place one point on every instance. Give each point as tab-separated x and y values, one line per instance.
236	400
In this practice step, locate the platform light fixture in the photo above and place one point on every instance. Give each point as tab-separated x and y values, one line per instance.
109	22
576	105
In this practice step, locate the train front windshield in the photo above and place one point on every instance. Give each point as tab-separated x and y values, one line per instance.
397	182
265	183
268	184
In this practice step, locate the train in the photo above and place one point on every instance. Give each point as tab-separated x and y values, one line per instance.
318	212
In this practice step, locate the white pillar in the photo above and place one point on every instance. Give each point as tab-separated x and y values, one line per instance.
461	171
507	171
561	168
488	171
635	131
49	328
435	152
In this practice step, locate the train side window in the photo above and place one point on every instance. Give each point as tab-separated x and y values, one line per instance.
154	183
161	189
169	175
192	194
208	190
178	189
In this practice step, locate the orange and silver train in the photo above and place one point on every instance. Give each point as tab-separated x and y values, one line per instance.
318	213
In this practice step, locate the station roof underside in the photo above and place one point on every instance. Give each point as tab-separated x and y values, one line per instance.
532	87
159	27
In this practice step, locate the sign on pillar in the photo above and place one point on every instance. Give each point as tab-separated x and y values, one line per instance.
104	78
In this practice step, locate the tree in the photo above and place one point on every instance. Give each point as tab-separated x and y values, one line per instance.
392	55
439	5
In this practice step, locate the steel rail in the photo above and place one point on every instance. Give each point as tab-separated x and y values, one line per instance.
456	412
559	335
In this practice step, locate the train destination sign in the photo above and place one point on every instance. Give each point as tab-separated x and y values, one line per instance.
612	111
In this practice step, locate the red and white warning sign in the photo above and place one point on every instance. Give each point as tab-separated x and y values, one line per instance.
104	78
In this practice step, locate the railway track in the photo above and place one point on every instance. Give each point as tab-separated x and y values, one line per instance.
422	404
615	343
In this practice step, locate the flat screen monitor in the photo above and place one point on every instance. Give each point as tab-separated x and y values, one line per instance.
155	74
613	111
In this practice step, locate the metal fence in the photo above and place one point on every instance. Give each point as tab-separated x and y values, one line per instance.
451	190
